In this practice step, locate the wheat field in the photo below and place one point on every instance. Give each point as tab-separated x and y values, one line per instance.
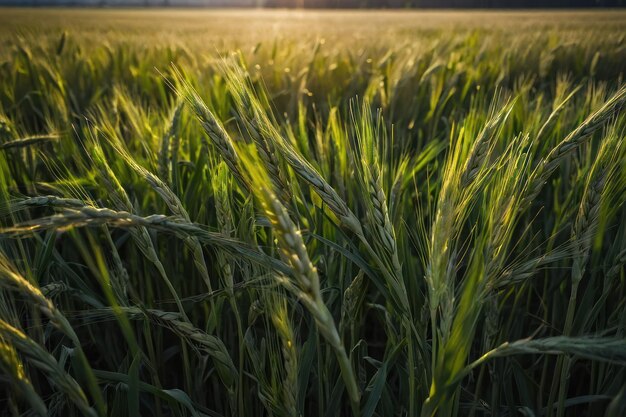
283	213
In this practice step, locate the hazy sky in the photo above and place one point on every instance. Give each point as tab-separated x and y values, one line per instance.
326	3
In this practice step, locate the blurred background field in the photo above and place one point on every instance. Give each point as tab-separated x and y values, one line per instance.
346	52
261	24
